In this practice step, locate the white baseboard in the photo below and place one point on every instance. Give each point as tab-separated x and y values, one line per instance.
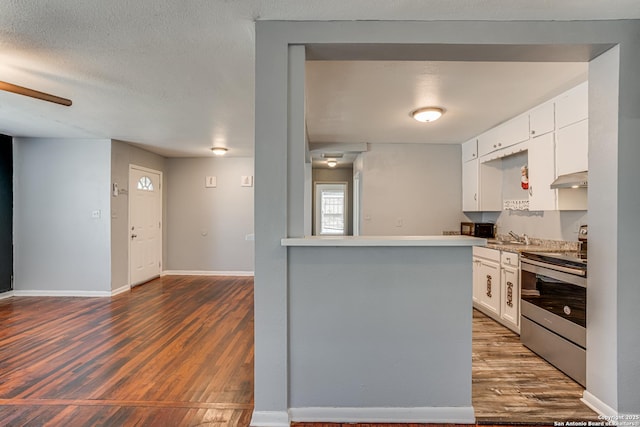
269	419
598	405
448	415
7	294
120	290
43	293
206	273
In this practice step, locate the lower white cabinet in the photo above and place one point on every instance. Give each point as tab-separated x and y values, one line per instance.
496	285
490	286
510	302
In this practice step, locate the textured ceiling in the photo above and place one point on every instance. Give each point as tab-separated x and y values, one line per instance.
178	76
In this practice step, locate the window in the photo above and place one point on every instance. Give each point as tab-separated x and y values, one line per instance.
331	203
145	184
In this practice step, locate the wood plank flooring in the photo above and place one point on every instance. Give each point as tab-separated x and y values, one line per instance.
512	384
178	351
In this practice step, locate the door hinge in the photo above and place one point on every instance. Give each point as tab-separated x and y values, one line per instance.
159	224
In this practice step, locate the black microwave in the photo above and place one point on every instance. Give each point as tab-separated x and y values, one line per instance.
478	229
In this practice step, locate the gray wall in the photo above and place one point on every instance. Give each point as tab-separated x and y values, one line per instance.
334	175
208	228
59	246
272	118
417	185
122	155
366	327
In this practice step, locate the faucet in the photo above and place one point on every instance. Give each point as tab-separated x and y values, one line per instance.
524	238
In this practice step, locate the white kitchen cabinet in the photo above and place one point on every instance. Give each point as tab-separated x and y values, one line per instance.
489	279
542	120
513	131
496	285
505	135
487	142
470	186
572	149
510	297
573	105
470	150
542	173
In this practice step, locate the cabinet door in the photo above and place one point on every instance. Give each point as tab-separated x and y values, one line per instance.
542	172
510	301
513	132
470	150
470	186
488	142
542	120
490	286
572	151
573	105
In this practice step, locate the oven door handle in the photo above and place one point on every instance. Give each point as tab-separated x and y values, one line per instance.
569	270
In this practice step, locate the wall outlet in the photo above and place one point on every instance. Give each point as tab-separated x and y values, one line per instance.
96	214
399	222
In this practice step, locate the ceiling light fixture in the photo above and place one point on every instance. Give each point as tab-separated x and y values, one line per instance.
219	151
332	163
427	114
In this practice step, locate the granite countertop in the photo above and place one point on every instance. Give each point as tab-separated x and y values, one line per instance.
505	243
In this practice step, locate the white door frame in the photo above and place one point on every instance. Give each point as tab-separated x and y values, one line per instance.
129	193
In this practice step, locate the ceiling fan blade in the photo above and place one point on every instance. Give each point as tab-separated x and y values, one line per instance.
8	87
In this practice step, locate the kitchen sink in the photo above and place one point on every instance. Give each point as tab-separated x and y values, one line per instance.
504	242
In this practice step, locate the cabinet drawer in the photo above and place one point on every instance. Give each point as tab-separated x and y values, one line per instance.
510	259
486	253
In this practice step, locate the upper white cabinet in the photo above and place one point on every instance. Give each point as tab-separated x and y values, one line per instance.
487	142
505	135
573	105
470	150
514	131
470	186
542	173
572	151
542	120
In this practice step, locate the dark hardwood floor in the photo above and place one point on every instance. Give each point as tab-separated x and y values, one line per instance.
175	351
178	351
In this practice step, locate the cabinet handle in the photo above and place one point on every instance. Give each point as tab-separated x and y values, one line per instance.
489	285
499	144
533	132
510	294
531	190
494	145
473	155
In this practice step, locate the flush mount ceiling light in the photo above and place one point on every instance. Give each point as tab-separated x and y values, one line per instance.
332	163
427	114
219	151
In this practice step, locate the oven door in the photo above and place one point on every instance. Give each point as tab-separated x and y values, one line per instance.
553	318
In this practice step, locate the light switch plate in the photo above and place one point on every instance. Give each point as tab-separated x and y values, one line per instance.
246	181
210	182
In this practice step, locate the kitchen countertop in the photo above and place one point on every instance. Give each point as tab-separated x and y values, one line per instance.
536	245
384	241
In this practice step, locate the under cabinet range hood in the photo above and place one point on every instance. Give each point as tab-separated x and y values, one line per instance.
571	180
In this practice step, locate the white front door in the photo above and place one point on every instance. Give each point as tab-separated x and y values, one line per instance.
145	224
